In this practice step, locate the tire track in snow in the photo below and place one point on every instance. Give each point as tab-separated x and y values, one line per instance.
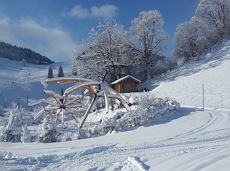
202	127
102	156
108	157
211	121
210	162
203	160
182	145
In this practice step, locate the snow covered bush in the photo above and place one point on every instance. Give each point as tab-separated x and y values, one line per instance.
66	136
26	137
1	112
148	109
151	103
13	129
49	132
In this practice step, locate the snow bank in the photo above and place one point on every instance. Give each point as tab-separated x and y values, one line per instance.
131	164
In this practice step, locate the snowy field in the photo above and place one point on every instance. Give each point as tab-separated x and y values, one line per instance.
18	81
189	140
185	83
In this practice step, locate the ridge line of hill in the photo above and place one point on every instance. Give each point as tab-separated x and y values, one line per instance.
22	54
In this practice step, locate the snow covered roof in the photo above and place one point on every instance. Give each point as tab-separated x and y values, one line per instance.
123	78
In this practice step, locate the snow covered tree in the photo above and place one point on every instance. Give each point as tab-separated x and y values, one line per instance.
26	137
148	38
192	38
162	66
210	25
60	72
49	133
50	72
104	50
216	13
112	49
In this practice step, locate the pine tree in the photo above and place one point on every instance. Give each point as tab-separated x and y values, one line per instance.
50	73
60	72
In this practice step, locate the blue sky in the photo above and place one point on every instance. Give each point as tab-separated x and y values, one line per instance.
52	27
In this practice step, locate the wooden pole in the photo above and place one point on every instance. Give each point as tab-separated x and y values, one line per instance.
203	97
87	111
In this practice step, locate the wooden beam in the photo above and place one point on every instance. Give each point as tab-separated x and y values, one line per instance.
83	85
67	80
87	111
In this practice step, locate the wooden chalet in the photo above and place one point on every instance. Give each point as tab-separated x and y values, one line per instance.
126	84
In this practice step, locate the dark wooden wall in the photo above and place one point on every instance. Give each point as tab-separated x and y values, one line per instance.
126	86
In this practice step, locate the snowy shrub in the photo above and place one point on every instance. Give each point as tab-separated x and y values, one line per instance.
133	100
150	103
12	131
49	132
65	137
1	112
148	109
180	61
26	137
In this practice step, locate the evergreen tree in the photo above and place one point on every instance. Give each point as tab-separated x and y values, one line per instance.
50	73
60	72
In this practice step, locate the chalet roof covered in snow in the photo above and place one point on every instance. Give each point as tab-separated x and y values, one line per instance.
124	78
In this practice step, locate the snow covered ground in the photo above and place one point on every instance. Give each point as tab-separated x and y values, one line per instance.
189	140
18	81
185	83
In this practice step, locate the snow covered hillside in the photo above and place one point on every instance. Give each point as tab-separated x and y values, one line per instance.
189	140
185	83
17	80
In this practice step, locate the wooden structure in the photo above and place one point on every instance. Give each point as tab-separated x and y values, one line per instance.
65	104
126	84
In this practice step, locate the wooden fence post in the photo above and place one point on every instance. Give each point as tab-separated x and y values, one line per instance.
203	97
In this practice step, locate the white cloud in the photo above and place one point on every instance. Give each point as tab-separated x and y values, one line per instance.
104	11
51	42
79	12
